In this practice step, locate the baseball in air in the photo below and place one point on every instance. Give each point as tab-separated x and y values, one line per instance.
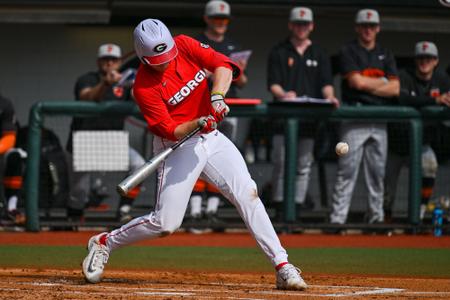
341	148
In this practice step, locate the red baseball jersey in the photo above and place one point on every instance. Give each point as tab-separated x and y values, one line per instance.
180	93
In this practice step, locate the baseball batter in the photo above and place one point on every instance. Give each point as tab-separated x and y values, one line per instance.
172	93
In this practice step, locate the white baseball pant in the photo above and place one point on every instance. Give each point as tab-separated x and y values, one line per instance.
216	158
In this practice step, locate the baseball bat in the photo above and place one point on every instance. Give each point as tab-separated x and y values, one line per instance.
139	175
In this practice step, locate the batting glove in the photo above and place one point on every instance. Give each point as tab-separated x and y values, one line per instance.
220	108
207	124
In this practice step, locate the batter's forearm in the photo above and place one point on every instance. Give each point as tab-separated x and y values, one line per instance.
184	128
222	80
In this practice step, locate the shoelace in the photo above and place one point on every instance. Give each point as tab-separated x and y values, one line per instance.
290	271
101	256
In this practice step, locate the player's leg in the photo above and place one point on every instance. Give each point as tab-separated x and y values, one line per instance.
212	208
278	167
197	198
213	199
394	165
347	170
79	193
176	178
195	204
226	169
123	213
374	169
429	172
304	164
12	183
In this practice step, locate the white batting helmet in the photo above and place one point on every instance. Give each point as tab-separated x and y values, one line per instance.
153	42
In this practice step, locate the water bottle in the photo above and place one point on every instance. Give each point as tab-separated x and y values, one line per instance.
437	221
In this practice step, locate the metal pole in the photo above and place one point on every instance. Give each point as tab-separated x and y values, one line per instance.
32	175
415	170
290	169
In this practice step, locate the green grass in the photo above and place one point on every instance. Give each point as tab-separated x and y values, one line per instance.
403	262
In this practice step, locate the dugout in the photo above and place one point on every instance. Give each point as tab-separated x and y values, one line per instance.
65	35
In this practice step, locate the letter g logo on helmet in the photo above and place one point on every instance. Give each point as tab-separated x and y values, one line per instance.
160	48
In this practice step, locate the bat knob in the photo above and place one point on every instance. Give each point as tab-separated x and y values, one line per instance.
122	190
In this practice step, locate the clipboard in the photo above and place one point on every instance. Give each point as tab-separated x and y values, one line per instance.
308	100
240	55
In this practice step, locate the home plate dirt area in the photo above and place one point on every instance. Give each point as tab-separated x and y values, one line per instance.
154	284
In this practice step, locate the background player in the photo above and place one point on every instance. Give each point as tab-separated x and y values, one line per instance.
298	67
11	181
98	86
173	95
370	77
217	16
420	85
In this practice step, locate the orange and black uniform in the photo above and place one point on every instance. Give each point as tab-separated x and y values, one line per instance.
368	140
116	93
8	127
12	178
378	62
226	47
417	93
104	123
12	181
305	74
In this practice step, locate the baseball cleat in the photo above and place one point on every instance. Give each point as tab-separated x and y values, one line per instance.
289	278
95	261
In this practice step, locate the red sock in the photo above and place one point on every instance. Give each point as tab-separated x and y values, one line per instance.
102	239
279	266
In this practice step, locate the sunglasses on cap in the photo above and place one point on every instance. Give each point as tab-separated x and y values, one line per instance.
219	20
368	25
425	57
110	58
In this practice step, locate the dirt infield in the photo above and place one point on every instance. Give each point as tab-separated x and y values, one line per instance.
49	283
68	284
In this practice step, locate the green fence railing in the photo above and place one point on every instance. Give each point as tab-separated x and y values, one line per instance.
290	113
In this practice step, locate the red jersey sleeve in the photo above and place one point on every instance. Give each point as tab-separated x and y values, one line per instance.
155	112
207	57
